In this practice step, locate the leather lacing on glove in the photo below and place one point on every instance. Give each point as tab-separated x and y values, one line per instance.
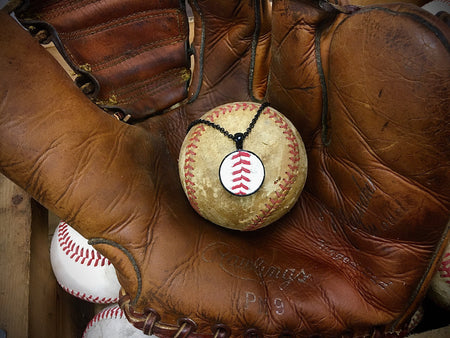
115	52
358	219
150	323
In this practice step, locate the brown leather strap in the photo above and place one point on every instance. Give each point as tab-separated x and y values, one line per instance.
131	56
149	322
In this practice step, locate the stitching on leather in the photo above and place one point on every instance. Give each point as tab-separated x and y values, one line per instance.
64	8
98	240
116	60
131	53
417	18
160	89
153	80
145	91
69	54
104	26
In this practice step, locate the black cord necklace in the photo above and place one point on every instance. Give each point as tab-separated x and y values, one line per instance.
241	172
238	138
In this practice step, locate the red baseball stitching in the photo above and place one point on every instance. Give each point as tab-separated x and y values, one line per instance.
284	185
444	268
189	169
287	182
190	152
89	298
115	312
74	251
416	319
243	160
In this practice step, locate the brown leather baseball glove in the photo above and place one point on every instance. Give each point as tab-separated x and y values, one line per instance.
368	90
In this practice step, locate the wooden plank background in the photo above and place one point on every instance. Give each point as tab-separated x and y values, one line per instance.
32	304
15	220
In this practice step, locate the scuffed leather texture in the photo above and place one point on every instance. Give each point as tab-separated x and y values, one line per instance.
131	56
368	91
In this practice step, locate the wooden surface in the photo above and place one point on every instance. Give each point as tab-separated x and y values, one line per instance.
42	283
32	304
15	220
53	313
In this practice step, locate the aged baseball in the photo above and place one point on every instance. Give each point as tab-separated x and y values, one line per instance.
80	269
247	185
440	283
437	6
112	323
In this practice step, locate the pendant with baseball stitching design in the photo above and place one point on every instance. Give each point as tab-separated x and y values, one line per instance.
241	173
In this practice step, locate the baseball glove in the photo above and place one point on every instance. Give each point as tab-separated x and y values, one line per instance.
366	87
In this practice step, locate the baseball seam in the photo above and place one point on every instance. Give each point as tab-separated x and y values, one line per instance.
415	319
111	313
444	268
240	174
278	196
189	169
192	145
81	255
89	298
285	184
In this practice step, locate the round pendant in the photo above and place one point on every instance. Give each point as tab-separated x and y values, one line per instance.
241	173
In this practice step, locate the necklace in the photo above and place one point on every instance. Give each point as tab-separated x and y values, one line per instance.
241	172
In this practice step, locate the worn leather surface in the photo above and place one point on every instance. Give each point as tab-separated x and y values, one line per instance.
368	91
119	49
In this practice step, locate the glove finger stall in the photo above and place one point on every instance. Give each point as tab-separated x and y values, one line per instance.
130	56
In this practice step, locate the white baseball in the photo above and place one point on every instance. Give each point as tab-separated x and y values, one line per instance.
112	323
240	173
437	6
440	283
415	319
80	269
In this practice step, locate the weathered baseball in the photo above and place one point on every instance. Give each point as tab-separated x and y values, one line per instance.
112	323
437	6
80	269
440	283
249	188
